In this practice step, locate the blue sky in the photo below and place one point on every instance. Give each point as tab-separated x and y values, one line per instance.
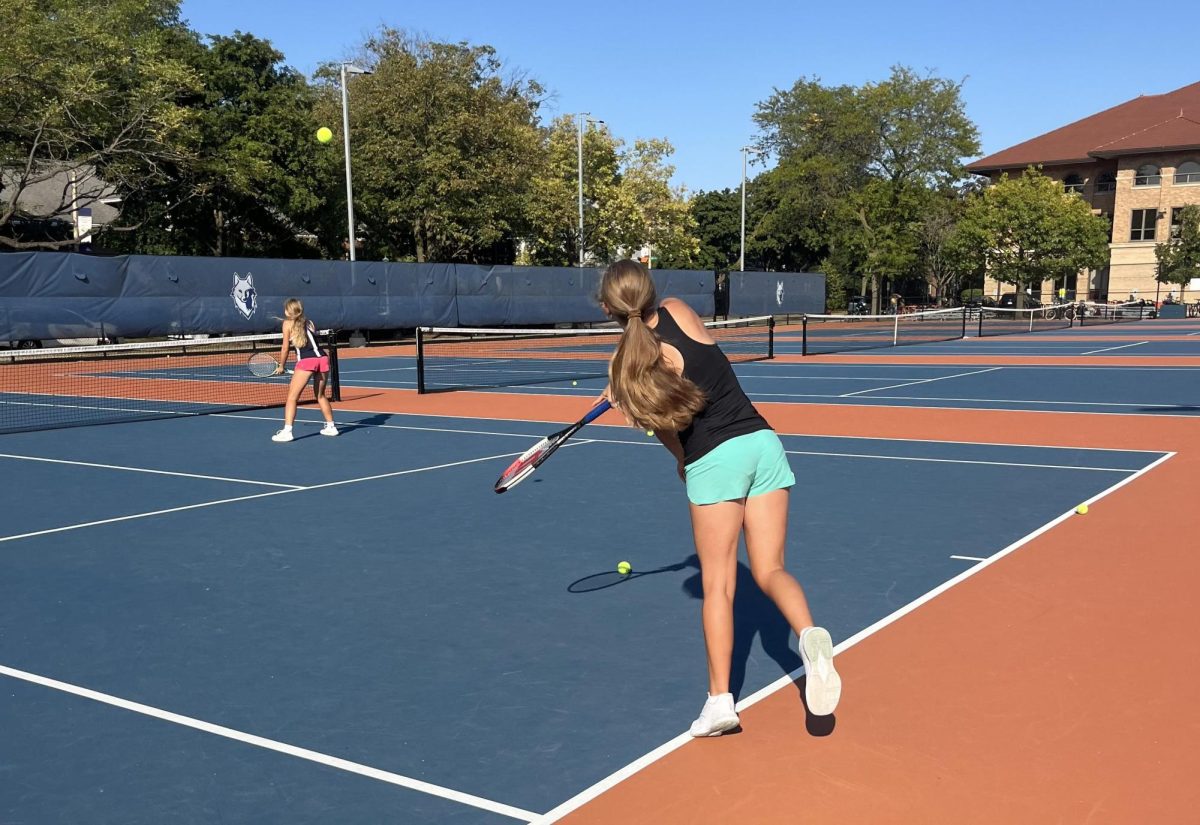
692	72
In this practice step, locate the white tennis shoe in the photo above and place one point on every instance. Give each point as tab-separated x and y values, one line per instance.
283	435
329	429
822	684
716	717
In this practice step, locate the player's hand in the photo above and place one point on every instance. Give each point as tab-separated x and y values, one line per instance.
278	370
679	468
605	396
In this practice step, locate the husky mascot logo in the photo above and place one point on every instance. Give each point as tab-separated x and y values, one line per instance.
779	293
245	296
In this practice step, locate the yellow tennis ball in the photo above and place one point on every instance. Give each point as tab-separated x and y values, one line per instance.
624	567
1082	509
650	432
324	134
574	383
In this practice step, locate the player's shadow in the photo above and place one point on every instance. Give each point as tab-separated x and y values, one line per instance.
753	615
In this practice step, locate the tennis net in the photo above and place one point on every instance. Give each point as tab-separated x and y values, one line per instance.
1090	314
1004	321
464	358
846	333
45	389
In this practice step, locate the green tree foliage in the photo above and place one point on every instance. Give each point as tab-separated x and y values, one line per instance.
629	202
444	149
90	90
855	165
257	182
1179	256
1026	230
718	217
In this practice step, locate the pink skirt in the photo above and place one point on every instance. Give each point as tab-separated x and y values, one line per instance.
314	364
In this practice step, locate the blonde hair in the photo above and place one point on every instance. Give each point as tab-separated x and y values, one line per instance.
293	311
643	385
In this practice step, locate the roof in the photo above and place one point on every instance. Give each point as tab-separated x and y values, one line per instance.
49	196
1150	123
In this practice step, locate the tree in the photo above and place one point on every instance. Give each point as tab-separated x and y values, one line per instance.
1026	230
90	94
257	179
944	271
718	228
628	200
854	162
1179	256
445	147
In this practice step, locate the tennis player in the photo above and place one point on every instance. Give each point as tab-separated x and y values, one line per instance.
668	375
311	360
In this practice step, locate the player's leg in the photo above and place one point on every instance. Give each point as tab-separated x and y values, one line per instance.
319	381
299	379
715	529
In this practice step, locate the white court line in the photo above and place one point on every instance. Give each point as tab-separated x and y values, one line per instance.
682	739
962	461
1110	349
968	558
148	470
274	745
921	381
249	498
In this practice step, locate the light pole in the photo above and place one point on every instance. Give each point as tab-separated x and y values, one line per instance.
584	119
349	68
746	150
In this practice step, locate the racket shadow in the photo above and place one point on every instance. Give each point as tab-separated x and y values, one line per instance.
611	578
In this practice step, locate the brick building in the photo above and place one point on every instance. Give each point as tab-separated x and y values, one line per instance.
1137	164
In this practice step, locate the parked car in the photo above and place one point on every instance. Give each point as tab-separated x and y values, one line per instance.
1009	301
859	305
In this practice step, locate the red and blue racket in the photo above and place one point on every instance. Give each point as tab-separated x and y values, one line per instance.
533	458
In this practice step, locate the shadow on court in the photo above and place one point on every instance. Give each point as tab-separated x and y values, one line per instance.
753	615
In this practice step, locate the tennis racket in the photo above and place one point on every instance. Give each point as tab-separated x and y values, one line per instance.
532	458
262	365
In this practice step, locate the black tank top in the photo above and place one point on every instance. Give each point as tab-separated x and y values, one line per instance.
729	412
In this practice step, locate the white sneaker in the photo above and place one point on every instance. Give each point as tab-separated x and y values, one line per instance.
822	685
329	429
283	435
716	717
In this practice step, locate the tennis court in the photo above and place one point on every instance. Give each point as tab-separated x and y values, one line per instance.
201	625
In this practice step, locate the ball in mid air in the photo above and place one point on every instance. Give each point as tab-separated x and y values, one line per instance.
624	567
324	134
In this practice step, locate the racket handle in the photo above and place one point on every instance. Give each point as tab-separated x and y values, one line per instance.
596	412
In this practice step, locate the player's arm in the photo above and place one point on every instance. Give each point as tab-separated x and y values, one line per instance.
283	348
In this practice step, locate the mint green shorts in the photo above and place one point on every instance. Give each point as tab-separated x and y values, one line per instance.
741	467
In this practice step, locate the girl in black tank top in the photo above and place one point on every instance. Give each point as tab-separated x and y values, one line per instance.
668	375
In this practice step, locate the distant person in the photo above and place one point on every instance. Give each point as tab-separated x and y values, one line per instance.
311	361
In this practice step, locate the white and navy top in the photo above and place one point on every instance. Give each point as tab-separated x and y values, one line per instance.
311	348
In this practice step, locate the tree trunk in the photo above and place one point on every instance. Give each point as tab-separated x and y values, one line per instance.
874	294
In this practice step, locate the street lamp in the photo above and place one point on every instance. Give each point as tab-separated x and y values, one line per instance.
746	150
584	119
349	68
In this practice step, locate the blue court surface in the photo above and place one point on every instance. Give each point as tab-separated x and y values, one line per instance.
199	625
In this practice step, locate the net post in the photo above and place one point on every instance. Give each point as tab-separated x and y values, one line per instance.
771	338
420	361
1032	314
335	379
896	329
964	322
803	335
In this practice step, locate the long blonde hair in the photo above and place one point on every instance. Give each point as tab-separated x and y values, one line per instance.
293	311
643	385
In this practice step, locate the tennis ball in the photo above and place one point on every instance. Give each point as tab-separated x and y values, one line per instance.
324	134
623	567
574	383
650	432
1082	509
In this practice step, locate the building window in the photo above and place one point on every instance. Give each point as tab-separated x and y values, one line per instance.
1188	172
1147	175
1142	228
1107	182
1073	183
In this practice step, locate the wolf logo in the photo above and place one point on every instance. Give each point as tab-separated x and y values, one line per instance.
779	293
245	296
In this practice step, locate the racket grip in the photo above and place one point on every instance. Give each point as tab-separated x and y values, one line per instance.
596	411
